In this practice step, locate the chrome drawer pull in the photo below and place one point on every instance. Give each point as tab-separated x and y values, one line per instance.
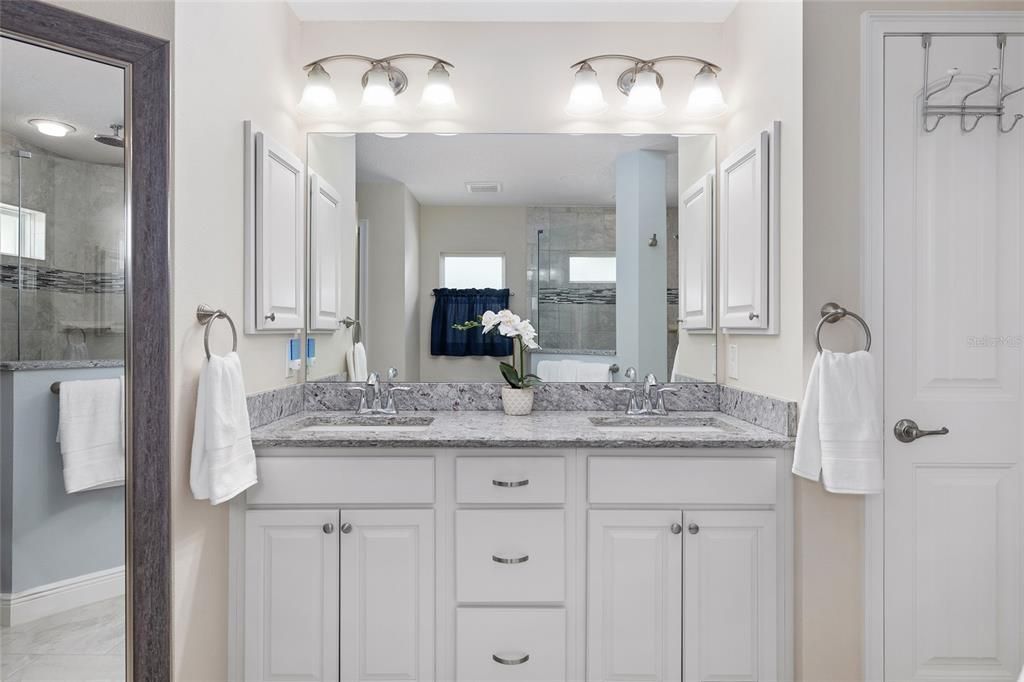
510	560
511	484
518	660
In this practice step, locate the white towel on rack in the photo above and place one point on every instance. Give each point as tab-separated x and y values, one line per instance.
91	433
593	372
223	460
350	364
839	438
554	371
358	371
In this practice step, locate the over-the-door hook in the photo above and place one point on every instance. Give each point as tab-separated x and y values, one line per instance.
963	125
952	73
991	77
938	120
1016	120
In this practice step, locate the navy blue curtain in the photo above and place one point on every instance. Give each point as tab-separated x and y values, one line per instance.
456	306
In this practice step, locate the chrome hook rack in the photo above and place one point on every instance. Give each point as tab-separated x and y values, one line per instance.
966	110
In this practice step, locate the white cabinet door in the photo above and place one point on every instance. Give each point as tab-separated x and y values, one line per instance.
387	595
279	253
634	596
745	231
325	256
729	596
696	255
291	595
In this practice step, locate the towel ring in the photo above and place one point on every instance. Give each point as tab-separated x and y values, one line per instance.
206	315
832	313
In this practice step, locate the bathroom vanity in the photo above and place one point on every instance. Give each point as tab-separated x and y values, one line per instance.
474	546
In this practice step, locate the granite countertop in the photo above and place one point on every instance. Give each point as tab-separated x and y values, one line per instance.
19	365
542	429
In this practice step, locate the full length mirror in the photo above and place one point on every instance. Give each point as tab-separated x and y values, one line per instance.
603	242
62	349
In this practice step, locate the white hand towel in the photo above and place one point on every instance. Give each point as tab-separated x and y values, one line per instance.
350	364
359	358
840	432
593	372
91	433
223	460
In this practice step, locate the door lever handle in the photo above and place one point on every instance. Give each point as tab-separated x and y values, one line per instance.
907	431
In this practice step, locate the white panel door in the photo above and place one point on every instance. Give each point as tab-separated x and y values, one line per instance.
696	255
387	595
729	596
744	236
634	596
325	255
280	255
291	595
953	217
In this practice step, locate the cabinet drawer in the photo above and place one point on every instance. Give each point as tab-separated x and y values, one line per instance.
510	555
343	480
682	480
510	480
530	641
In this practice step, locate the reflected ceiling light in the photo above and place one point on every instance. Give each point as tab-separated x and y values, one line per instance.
391	136
382	83
586	98
706	98
51	128
642	84
318	93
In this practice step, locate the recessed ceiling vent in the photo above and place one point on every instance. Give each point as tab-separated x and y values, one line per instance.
483	187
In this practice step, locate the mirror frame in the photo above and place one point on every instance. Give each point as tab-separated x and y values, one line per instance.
146	62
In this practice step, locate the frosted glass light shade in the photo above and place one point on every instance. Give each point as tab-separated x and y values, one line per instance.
318	93
586	98
706	98
51	128
438	93
645	96
378	92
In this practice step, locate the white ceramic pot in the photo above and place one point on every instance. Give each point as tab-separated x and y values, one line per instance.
517	402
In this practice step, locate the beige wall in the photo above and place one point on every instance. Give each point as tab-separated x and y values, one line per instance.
391	321
155	17
222	75
460	229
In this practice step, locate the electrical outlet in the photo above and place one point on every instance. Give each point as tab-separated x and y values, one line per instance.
732	363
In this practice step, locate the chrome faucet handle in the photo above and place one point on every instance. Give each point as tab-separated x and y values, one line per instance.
630	374
389	397
362	397
392	373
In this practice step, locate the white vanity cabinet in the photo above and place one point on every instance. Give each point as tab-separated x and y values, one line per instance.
534	565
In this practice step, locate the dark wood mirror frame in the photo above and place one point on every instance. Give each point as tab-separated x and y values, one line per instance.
146	61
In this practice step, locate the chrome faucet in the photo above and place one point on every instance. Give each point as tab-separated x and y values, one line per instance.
377	397
646	398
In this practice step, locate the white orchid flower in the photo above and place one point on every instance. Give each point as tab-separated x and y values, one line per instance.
489	319
509	325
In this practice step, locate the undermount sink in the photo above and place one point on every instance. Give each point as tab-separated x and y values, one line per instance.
369	422
662	424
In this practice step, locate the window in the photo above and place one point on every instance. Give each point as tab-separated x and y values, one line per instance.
472	271
33	235
591	269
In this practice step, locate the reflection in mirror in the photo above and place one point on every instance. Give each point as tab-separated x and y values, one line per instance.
580	234
62	325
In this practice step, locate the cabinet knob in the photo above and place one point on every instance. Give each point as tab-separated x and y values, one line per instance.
328	528
753	316
346	528
272	317
693	528
676	529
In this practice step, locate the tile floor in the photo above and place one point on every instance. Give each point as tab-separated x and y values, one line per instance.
82	644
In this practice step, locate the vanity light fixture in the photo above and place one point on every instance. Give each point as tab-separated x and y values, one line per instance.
51	128
382	83
642	84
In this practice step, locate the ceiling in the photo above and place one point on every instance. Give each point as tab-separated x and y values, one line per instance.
712	11
534	170
36	82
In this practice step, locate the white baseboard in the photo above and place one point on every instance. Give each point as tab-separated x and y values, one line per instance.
21	607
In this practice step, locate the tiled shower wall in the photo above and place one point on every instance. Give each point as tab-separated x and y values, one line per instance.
80	284
574	317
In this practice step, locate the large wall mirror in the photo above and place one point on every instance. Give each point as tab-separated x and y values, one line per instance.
604	242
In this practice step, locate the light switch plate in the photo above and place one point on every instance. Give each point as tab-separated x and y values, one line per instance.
732	363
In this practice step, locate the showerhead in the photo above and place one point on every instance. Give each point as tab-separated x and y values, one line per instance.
114	140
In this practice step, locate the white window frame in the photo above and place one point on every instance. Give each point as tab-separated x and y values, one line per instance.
33	228
472	254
